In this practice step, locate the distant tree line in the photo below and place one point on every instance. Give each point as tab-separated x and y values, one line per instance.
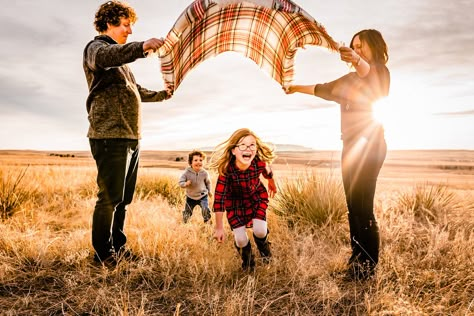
62	155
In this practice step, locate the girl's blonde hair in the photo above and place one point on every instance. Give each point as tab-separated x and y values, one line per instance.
222	155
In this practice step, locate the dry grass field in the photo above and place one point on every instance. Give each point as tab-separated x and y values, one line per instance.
424	206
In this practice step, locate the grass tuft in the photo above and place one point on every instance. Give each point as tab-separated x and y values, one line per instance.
430	203
316	198
12	192
164	185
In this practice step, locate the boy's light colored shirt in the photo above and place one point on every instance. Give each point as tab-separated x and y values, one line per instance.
200	183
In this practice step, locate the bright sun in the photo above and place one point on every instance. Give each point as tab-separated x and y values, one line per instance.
402	113
382	111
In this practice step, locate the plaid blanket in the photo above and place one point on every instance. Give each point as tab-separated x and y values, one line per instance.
266	31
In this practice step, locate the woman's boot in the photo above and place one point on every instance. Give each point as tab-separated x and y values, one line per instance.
354	228
363	267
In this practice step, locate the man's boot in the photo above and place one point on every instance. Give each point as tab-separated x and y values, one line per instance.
263	246
248	259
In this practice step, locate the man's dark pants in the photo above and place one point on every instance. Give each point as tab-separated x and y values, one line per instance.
117	168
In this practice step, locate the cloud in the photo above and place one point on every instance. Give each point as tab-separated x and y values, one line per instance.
459	113
13	97
433	36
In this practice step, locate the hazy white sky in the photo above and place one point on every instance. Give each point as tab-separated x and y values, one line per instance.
431	103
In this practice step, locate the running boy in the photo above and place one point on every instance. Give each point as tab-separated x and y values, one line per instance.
197	183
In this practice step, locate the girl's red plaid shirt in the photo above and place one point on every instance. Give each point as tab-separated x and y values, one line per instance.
241	193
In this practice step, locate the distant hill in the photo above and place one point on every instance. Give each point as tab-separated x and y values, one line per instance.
278	147
290	147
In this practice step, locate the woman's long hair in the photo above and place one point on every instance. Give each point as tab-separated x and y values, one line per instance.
376	43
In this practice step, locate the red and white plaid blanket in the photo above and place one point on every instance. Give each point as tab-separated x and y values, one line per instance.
266	31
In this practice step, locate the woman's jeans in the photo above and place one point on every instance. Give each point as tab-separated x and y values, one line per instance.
117	167
362	160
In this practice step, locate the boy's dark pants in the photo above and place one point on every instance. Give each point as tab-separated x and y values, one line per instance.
191	204
117	168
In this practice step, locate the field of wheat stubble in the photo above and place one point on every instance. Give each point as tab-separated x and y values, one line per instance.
424	206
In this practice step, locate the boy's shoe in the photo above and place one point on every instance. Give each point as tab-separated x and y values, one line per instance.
186	217
206	216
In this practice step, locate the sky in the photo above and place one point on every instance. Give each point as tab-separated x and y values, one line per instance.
431	102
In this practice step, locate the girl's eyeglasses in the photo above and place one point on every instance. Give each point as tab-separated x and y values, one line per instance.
243	147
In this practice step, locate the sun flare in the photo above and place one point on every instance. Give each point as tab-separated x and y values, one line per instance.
404	113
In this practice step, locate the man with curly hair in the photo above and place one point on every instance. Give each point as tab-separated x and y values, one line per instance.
114	112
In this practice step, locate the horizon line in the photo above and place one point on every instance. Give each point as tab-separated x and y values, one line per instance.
306	149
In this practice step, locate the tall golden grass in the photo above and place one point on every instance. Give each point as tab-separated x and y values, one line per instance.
46	267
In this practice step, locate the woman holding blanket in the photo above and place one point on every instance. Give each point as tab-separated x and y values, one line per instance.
364	147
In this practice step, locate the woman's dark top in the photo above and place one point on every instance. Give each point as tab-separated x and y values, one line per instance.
356	96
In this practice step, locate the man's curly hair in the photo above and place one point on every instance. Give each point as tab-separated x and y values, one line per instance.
111	12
